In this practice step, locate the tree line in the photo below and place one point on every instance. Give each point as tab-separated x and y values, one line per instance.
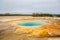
33	14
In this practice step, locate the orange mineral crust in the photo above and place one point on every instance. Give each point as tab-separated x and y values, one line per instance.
46	31
50	29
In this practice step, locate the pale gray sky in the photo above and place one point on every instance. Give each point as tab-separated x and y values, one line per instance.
30	6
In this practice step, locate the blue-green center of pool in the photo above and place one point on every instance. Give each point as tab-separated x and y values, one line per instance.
30	23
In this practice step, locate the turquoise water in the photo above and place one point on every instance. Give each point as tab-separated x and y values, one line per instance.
30	23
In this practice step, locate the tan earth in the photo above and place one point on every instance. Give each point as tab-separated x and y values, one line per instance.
10	31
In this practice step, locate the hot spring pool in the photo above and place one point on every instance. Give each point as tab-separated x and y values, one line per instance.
30	23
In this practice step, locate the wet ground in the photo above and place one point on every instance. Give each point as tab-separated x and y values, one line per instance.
8	33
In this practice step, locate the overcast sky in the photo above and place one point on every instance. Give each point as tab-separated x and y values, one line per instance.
30	6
